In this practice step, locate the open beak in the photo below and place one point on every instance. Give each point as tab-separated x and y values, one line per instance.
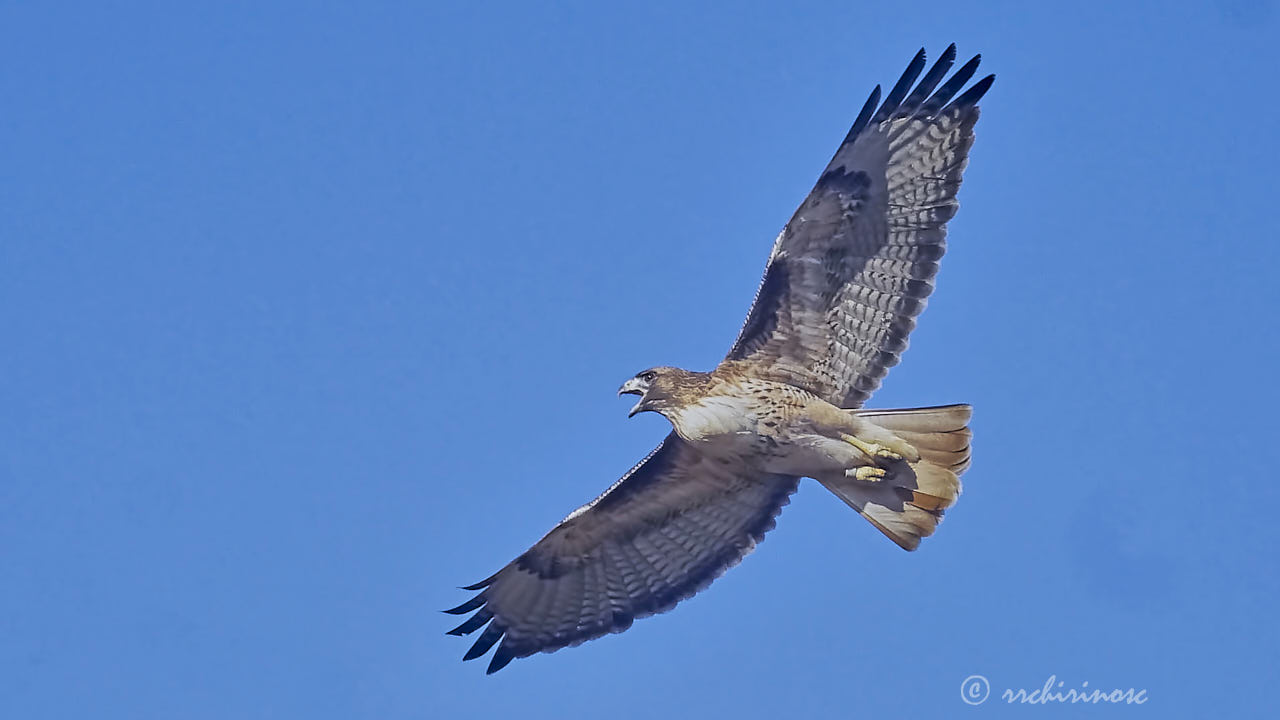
632	387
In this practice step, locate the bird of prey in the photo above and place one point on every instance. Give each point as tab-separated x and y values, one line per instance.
841	290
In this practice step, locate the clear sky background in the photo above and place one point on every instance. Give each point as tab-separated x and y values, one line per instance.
311	313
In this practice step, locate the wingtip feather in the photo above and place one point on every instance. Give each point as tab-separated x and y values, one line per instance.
971	96
482	584
491	635
500	659
864	115
901	88
943	95
467	606
473	623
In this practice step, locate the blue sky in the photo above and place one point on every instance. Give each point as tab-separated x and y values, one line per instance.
312	313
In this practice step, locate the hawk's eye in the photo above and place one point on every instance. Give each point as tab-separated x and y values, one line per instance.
648	376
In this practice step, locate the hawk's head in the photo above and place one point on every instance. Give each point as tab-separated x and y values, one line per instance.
662	389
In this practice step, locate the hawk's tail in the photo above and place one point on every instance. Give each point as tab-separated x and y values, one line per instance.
908	502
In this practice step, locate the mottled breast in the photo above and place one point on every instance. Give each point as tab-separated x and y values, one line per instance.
740	423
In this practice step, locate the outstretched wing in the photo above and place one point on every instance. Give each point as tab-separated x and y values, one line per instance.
663	532
851	270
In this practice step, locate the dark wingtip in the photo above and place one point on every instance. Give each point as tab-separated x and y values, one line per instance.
948	56
952	86
482	584
473	623
500	659
929	82
491	635
901	88
467	606
975	93
864	116
967	70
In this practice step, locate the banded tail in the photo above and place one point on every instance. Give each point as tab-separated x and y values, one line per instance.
907	503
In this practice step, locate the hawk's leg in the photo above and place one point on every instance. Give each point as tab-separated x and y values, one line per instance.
876	451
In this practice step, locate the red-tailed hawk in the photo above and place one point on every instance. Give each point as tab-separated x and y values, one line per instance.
847	277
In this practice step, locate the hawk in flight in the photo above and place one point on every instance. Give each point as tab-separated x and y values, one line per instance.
842	288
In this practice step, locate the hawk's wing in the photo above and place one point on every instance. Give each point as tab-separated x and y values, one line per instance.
663	532
851	270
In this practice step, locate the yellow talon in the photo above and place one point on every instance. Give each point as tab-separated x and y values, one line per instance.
871	450
869	474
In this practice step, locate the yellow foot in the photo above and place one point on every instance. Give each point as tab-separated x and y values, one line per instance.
866	474
871	450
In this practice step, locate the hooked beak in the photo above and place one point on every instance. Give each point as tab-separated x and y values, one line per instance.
632	387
